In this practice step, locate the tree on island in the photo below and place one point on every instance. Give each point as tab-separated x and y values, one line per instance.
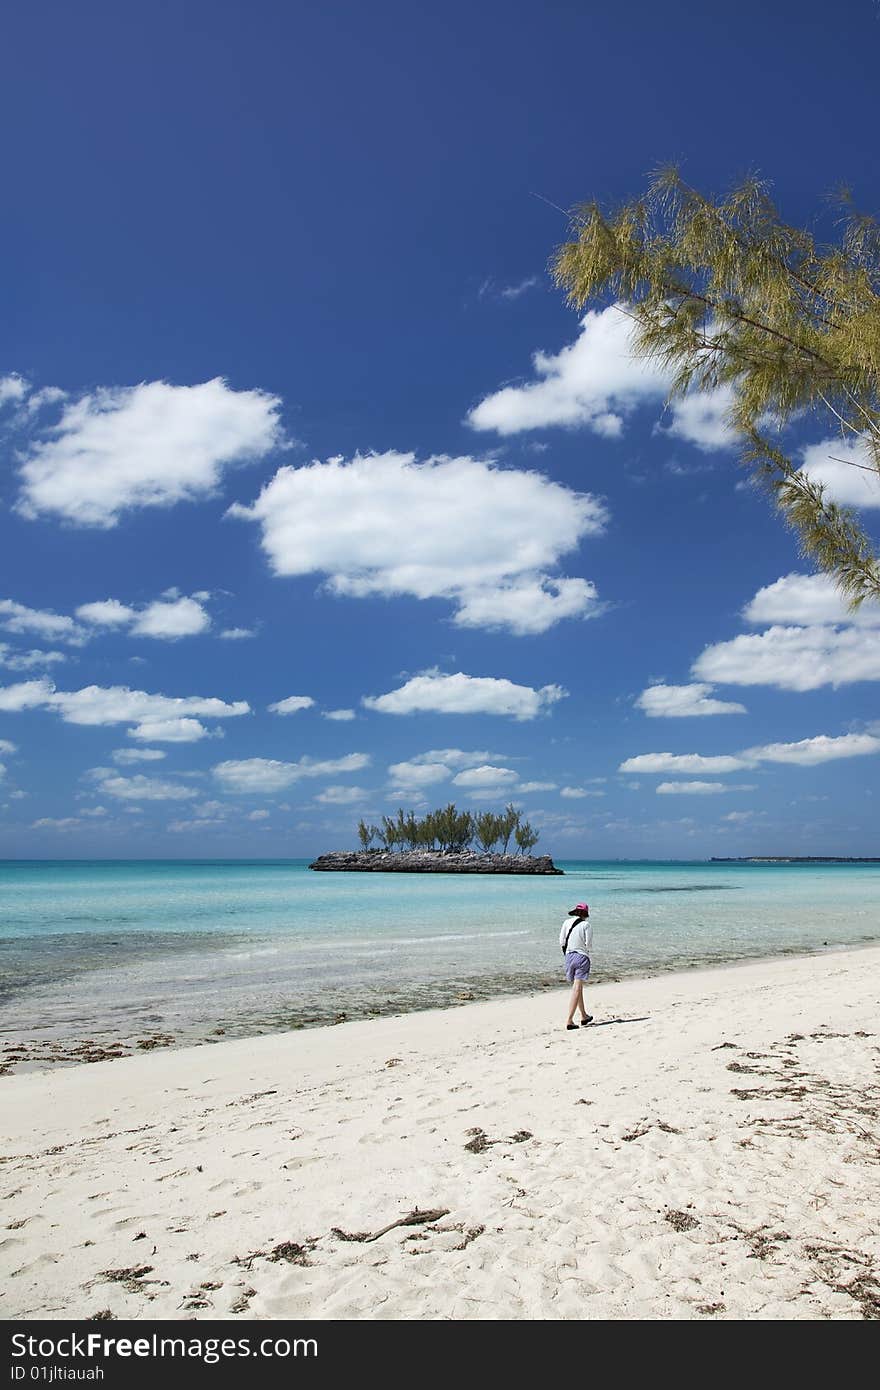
722	293
487	830
526	838
367	834
509	823
450	831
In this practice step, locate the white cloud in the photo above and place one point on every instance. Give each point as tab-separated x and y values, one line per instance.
7	748
183	617
683	762
97	705
521	287
737	817
808	600
341	796
807	752
55	627
166	618
339	716
47	395
258	815
25	695
497	792
483	537
794	658
144	446
237	634
198	823
292	705
95	811
16	390
437	765
591	383
108	612
455	757
698	788
118	704
208	815
13	389
678	701
491	290
596	382
28	661
486	776
530	605
845	469
125	756
432	692
172	731
702	418
526	787
578	793
412	776
138	787
57	823
170	617
266	775
814	639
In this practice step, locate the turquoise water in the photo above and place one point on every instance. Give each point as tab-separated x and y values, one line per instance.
189	948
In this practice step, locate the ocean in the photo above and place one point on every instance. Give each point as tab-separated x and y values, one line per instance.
152	952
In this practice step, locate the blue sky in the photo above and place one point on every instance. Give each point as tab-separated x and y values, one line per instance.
290	408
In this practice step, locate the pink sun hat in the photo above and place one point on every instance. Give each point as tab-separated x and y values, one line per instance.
581	907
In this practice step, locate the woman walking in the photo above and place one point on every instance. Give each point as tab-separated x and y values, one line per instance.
576	940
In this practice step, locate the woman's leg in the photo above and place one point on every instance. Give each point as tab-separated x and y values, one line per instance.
581	1005
575	1000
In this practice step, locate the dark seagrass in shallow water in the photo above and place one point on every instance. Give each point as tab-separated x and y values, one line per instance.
424	861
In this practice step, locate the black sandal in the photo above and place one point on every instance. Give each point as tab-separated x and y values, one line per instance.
571	1025
587	1020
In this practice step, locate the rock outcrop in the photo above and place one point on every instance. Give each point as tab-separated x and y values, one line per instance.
423	861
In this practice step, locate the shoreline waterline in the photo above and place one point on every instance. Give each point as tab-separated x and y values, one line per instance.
105	958
696	980
77	1053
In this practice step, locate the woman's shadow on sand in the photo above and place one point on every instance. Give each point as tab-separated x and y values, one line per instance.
609	1022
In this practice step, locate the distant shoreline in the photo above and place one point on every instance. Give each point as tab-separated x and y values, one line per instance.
415	861
797	859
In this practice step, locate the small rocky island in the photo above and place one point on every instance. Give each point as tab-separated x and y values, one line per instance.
430	861
446	841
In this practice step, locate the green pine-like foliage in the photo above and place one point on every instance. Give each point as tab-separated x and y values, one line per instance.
723	292
450	830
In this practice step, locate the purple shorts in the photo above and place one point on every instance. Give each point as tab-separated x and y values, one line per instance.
577	967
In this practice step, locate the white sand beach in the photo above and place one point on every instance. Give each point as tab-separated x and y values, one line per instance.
709	1148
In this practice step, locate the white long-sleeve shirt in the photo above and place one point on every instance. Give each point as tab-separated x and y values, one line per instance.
581	938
